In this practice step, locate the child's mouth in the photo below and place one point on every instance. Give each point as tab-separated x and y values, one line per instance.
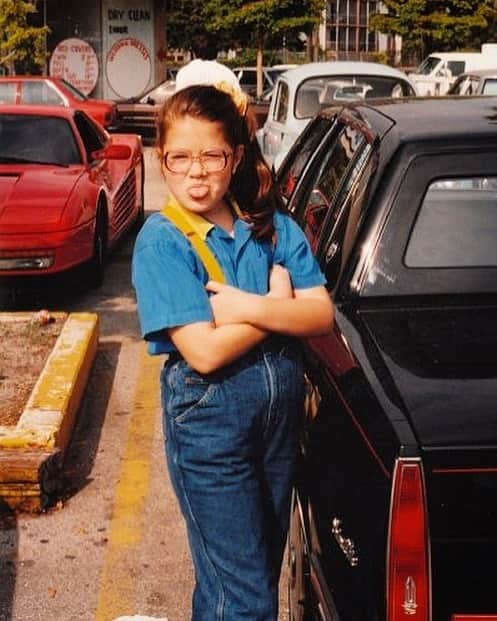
198	191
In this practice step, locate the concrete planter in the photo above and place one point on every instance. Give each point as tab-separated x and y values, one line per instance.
32	452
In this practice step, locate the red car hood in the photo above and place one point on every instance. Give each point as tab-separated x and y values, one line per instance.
34	198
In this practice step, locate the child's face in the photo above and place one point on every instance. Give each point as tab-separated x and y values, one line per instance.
197	189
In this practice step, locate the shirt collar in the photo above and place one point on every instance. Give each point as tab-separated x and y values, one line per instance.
199	224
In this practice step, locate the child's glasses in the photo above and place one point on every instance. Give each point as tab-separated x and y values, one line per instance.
212	160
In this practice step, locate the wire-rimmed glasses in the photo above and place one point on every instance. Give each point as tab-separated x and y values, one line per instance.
211	160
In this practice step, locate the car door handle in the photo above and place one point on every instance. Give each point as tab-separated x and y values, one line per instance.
332	250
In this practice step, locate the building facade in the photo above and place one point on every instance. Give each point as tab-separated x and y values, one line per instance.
345	33
107	48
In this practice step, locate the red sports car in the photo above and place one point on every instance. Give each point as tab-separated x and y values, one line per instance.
50	91
68	190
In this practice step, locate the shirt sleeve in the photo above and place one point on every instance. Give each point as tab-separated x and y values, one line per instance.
294	253
169	283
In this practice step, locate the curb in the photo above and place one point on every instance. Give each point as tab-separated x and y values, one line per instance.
31	453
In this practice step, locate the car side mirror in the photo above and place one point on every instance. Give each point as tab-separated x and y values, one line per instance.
112	152
151	101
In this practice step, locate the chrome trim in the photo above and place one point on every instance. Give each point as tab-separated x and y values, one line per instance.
346	544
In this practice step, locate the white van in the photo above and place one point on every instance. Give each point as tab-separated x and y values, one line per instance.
439	70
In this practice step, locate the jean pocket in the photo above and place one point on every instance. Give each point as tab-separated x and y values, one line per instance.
189	391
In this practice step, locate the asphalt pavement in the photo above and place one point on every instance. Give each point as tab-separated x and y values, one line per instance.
114	544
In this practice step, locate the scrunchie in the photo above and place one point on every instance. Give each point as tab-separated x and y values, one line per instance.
237	95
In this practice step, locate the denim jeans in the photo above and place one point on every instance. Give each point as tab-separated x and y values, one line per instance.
231	442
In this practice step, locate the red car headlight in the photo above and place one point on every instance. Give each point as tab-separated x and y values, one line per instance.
26	259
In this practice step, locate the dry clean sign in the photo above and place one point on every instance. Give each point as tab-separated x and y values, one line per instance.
128	40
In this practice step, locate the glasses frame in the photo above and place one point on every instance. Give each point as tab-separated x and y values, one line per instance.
197	158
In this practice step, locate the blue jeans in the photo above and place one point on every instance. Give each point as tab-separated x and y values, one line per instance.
231	443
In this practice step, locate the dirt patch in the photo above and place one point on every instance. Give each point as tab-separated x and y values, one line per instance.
25	347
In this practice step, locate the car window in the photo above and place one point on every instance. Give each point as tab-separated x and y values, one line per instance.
348	213
470	205
456	67
248	78
281	105
8	92
40	92
490	87
308	142
316	93
92	138
322	194
37	139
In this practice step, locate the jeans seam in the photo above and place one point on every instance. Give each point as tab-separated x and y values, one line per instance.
221	598
272	394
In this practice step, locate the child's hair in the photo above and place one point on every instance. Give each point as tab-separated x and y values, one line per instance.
252	185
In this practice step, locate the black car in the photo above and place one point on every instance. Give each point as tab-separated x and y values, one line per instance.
394	513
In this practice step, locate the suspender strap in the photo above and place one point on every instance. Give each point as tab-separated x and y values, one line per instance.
199	245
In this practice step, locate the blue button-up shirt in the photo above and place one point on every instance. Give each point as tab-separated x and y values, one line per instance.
169	277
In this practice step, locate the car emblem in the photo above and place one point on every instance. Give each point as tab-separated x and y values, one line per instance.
410	603
346	545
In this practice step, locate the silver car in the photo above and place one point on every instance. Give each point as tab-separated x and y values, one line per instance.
302	92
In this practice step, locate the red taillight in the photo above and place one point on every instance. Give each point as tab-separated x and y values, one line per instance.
408	572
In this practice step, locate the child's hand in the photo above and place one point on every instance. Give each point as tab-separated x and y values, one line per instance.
280	285
228	303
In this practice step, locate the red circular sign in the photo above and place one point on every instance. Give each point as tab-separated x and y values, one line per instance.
128	67
75	61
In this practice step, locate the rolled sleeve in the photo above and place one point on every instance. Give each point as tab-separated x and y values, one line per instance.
294	253
169	288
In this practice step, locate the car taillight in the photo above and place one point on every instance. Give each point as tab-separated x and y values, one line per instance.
408	571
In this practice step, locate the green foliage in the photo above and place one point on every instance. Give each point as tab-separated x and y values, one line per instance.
254	23
204	25
186	28
21	45
428	25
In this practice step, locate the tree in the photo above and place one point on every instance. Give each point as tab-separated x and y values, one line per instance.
255	23
428	25
186	29
22	46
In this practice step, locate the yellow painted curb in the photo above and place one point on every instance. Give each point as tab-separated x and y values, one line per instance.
32	452
50	412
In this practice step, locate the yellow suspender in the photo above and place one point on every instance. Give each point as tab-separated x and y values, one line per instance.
204	252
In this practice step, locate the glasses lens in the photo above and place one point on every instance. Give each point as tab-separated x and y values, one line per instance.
177	161
211	161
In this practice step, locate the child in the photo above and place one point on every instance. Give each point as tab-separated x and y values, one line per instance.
232	386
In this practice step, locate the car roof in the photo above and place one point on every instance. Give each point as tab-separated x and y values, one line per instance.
340	67
429	118
38	110
479	73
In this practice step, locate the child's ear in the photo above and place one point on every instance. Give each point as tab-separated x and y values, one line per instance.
238	154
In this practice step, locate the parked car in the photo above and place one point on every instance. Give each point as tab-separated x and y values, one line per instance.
302	92
69	191
139	114
482	82
46	90
247	76
438	71
395	508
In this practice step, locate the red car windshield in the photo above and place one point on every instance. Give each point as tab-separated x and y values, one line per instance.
35	139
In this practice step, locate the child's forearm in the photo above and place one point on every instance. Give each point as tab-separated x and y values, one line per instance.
298	316
207	348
